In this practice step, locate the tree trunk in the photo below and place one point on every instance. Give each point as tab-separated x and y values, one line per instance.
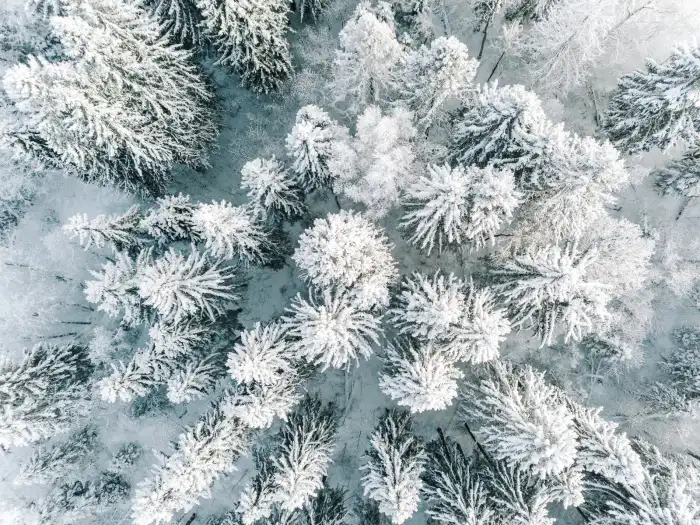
498	62
483	40
445	22
478	445
683	207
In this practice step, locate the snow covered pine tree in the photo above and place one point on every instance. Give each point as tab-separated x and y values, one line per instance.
136	126
657	107
395	465
250	36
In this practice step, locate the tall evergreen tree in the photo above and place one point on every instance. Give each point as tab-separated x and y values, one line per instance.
122	108
504	126
420	377
347	252
457	317
251	37
528	10
177	286
396	462
331	330
435	76
201	455
657	107
523	420
453	490
550	290
327	508
311	144
451	206
367	60
73	502
272	192
306	444
43	394
180	20
682	176
49	464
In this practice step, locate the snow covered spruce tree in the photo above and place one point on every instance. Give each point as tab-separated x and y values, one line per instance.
419	376
367	60
311	144
518	496
170	219
178	286
227	231
102	118
549	290
74	502
267	374
273	194
312	8
414	20
43	394
262	355
458	317
503	126
435	76
604	453
452	206
230	232
579	178
306	443
120	231
680	390
452	488
49	464
346	252
46	8
180	20
257	500
394	467
251	38
327	508
375	167
523	420
331	330
258	404
175	286
665	494
202	454
657	107
682	176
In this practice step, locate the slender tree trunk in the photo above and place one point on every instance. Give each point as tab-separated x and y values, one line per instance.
478	445
445	20
68	334
86	308
683	207
347	387
693	455
498	62
34	268
598	116
483	39
337	202
76	322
